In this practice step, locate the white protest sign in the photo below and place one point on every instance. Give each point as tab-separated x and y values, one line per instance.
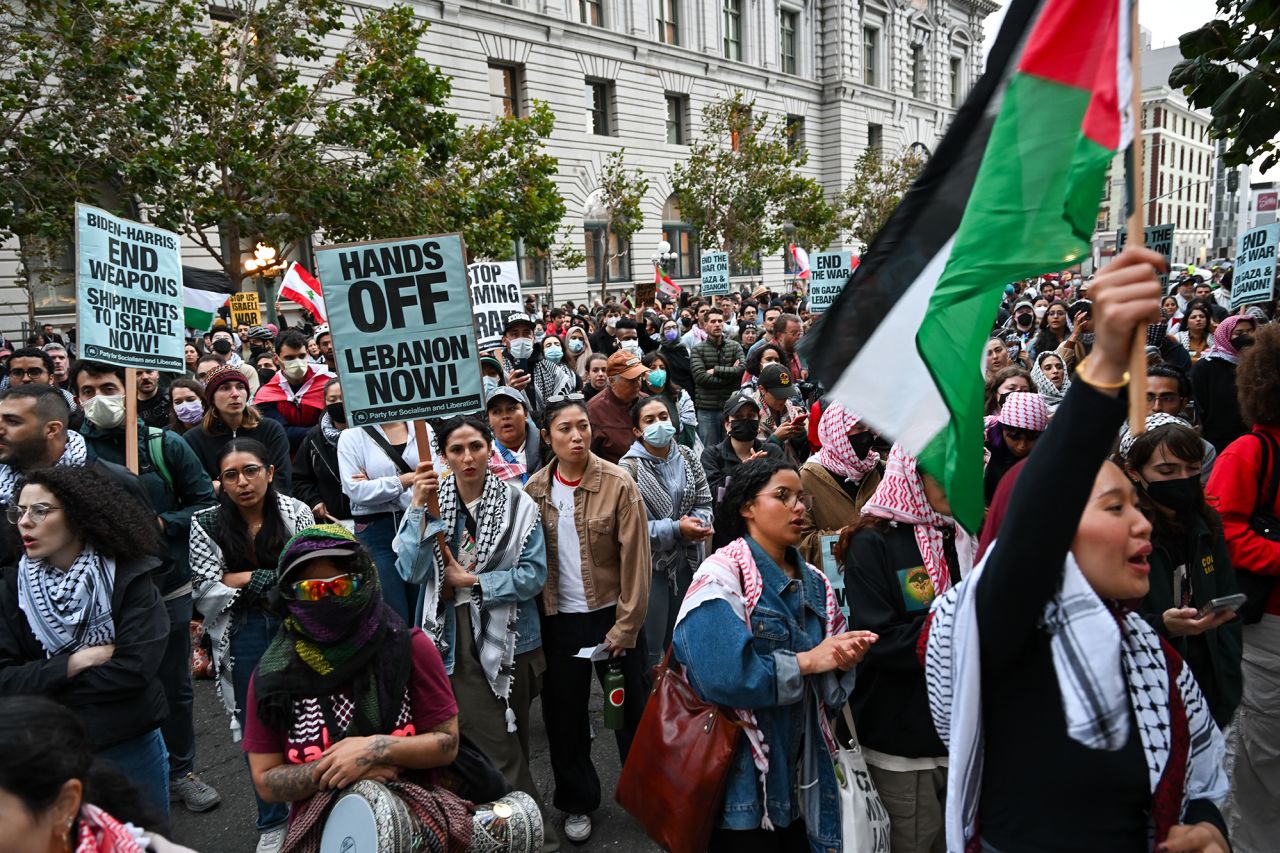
1255	270
128	292
715	273
403	331
827	274
495	295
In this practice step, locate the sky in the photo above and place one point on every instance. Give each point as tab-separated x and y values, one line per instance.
1167	19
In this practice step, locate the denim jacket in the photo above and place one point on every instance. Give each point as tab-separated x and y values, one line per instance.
522	582
757	669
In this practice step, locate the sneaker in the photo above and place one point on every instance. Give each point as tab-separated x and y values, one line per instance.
195	794
271	841
577	827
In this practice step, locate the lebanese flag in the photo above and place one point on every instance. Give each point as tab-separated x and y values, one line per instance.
664	284
302	287
1012	193
801	258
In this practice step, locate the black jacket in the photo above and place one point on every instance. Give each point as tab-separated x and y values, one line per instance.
122	698
719	462
1214	383
679	369
315	475
269	432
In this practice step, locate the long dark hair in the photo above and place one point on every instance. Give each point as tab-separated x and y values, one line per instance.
745	481
241	553
194	387
670	389
1047	339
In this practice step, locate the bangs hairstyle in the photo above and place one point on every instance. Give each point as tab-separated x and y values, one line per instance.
553	410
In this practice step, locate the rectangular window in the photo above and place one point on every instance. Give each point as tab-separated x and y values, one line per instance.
787	37
875	137
917	71
597	95
677	129
795	132
591	12
870	56
609	257
668	22
505	84
733	29
956	83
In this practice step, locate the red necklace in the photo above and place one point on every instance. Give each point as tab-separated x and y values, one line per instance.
572	484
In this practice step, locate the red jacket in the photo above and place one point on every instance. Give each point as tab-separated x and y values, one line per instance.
1234	483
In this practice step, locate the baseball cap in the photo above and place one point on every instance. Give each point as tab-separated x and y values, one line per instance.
506	392
737	401
1024	303
490	361
626	365
776	379
516	320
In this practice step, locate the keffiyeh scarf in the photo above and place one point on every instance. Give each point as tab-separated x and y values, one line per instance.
1105	663
731	575
837	454
551	379
74	455
1222	347
659	504
1154	421
900	498
1052	394
68	610
101	833
506	518
328	430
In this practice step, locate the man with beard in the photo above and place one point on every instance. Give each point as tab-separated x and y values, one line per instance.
153	401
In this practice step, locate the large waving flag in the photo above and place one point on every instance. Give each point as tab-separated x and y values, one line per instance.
302	287
1012	192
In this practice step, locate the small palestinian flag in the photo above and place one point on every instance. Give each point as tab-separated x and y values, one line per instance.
663	283
1012	192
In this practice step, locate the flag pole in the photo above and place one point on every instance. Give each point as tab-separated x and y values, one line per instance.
1137	232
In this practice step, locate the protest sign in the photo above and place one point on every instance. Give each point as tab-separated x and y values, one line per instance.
128	291
245	310
495	295
1159	238
834	570
403	331
1255	270
715	273
827	275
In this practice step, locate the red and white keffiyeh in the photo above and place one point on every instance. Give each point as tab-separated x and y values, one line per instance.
1024	410
101	833
837	454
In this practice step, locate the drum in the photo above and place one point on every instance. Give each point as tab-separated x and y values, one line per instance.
511	823
368	818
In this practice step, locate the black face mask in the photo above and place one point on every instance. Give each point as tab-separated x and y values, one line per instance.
744	430
222	346
1242	342
686	321
1182	496
335	413
861	443
265	375
1025	320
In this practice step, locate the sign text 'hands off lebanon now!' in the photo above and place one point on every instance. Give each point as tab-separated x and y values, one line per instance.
403	333
128	292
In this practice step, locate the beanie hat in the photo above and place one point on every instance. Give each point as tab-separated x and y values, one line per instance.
221	377
1024	410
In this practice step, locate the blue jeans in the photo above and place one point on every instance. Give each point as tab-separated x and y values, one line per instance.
377	533
710	426
252	630
144	761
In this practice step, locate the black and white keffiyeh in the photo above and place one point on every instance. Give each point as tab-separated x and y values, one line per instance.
68	610
505	519
74	455
1104	665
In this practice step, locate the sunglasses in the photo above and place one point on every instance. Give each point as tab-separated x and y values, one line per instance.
342	586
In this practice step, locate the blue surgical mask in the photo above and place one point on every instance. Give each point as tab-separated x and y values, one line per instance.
671	334
521	348
552	354
576	345
657	378
659	433
490	385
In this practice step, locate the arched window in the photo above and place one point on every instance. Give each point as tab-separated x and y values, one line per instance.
608	258
683	239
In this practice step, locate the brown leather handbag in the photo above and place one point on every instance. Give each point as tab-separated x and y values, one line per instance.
674	779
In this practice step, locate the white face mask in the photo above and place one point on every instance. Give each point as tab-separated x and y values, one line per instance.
632	347
105	412
294	368
521	348
1041	311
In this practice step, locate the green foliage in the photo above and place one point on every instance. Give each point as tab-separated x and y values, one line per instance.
1230	68
878	184
742	187
617	204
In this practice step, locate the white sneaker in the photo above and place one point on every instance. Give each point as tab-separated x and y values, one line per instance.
272	840
577	827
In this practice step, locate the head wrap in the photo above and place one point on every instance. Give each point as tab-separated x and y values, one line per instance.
837	454
1154	421
900	498
1024	410
355	645
1050	393
1222	347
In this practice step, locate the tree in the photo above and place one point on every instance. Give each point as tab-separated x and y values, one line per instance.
877	186
1230	68
742	189
616	205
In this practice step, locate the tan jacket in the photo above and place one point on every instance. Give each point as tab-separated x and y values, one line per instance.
832	506
613	534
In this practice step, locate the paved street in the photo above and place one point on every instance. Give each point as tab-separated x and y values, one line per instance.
229	828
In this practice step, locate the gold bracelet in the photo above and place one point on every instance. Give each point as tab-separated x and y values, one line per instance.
1099	385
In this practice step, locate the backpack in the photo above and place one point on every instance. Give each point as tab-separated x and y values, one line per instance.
155	449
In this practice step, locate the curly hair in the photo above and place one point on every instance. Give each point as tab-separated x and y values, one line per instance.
1258	378
99	511
745	481
754	365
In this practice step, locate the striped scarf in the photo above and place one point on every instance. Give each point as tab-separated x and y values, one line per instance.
837	454
68	610
74	455
658	504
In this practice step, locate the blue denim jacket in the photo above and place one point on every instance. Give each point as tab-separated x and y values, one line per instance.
757	670
521	583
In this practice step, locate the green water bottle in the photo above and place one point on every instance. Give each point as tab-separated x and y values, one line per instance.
615	696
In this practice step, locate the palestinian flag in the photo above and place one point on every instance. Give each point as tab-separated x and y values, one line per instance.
1012	192
200	307
663	283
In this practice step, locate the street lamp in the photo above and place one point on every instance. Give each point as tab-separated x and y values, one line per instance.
664	256
263	266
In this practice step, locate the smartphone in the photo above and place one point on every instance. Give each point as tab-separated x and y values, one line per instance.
1227	602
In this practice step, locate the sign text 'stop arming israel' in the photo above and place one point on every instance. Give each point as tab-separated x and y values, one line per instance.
1158	238
1255	270
715	273
495	295
128	292
827	275
403	331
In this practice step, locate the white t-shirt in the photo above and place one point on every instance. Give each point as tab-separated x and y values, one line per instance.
569	588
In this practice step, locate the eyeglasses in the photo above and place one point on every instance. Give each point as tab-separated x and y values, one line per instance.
1166	397
564	398
1019	434
29	373
342	586
232	475
36	512
789	498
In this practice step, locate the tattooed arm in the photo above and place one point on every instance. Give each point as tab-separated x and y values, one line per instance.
279	782
351	759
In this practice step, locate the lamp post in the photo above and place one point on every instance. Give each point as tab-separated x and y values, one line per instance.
264	266
664	256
